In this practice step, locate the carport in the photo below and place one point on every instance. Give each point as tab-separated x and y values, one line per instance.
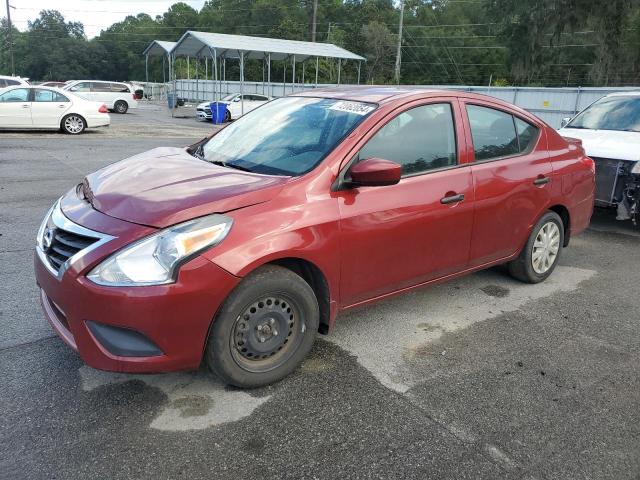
220	47
158	48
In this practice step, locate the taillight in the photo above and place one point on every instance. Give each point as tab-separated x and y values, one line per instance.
590	163
103	109
134	96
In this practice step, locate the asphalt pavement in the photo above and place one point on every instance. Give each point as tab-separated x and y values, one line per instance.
479	378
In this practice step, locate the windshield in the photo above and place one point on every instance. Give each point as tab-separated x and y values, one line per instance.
229	97
610	113
288	136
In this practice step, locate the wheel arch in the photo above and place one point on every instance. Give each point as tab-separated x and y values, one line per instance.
66	114
564	214
314	276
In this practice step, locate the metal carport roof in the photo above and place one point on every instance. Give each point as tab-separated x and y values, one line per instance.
159	47
198	44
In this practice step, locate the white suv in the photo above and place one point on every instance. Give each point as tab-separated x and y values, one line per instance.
12	81
117	96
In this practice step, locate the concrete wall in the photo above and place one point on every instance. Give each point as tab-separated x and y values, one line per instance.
550	104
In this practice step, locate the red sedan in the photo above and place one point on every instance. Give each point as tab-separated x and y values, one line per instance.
237	250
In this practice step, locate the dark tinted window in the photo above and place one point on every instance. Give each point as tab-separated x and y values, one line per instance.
119	87
419	139
3	83
81	87
527	135
49	96
493	132
12	82
100	87
17	95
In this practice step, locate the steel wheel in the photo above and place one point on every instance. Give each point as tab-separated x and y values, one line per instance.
545	248
267	334
73	124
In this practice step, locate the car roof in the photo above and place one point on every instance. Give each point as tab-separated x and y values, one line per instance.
383	94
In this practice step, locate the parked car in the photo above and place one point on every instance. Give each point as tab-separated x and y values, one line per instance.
610	133
12	81
43	108
118	97
53	84
239	249
234	106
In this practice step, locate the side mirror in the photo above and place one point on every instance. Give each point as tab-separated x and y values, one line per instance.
237	99
565	121
375	172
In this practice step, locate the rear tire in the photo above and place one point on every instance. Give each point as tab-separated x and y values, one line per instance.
264	329
539	257
121	107
73	124
227	116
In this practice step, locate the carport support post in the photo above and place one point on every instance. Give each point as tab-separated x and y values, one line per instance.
241	82
215	73
317	68
339	63
269	75
303	76
359	72
146	67
164	78
293	75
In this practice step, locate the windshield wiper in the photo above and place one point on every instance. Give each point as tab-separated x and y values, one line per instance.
197	153
229	165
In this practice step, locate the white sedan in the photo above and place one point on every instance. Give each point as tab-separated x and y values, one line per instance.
44	108
235	108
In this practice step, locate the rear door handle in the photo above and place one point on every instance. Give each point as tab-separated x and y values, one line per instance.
452	199
26	106
541	181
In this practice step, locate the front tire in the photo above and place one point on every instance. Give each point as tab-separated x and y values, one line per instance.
121	107
264	329
539	257
73	124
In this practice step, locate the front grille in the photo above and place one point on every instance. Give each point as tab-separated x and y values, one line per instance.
64	245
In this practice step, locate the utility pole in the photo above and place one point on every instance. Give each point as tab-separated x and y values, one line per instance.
399	51
10	35
313	22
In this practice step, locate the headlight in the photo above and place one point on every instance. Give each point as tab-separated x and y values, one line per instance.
636	168
155	260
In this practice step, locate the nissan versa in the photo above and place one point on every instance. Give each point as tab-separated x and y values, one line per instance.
235	251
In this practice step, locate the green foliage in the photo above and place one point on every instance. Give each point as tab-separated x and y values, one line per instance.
503	42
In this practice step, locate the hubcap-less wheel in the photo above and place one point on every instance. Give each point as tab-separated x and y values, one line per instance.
73	124
266	334
545	248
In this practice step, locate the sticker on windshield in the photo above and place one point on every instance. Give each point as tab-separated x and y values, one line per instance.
352	107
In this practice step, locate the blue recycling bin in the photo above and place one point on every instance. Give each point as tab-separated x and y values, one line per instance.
171	100
218	112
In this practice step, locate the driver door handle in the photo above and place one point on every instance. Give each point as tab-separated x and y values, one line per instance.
456	198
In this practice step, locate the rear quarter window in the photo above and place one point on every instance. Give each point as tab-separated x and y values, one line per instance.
494	133
120	88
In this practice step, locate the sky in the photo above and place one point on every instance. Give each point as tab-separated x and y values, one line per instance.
96	15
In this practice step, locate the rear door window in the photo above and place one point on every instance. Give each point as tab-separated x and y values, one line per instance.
11	83
42	95
81	87
119	87
527	135
494	133
100	87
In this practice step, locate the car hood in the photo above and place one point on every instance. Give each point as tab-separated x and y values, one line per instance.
607	143
166	186
206	104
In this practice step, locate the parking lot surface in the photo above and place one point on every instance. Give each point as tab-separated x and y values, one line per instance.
479	378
